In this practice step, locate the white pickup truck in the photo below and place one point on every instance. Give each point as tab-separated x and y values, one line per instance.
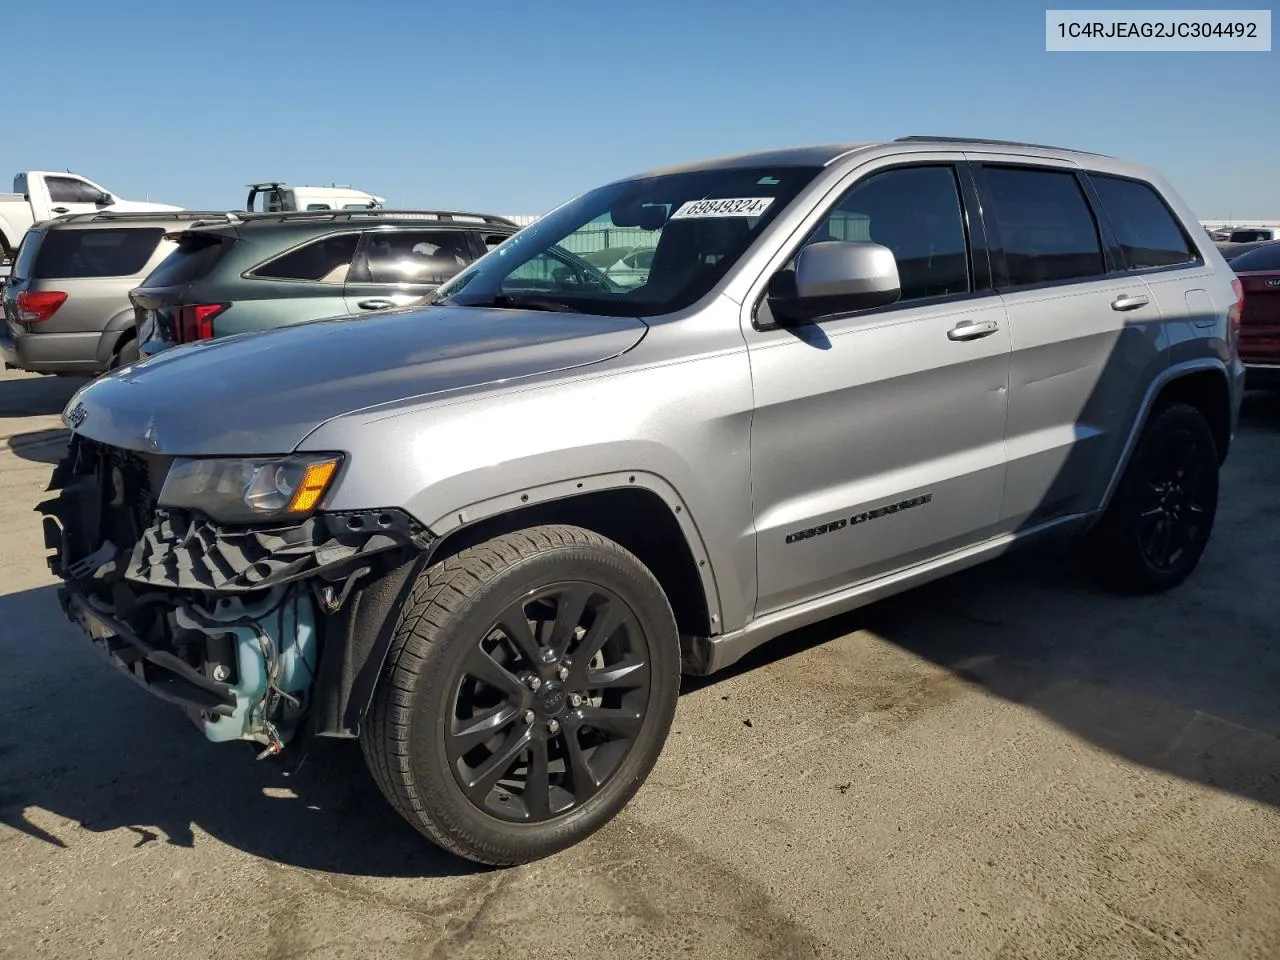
39	195
272	196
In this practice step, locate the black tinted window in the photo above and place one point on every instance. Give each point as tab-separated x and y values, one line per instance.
70	190
916	213
1259	258
27	251
412	256
194	258
1045	225
1148	234
327	260
1249	236
95	253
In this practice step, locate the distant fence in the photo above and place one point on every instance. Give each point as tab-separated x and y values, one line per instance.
1244	224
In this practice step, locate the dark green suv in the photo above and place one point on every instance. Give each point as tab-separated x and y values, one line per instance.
259	271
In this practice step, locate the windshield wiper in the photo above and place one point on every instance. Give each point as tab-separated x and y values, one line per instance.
505	301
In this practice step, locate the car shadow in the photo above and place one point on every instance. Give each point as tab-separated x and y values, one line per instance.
1261	410
37	396
143	767
1183	682
39	446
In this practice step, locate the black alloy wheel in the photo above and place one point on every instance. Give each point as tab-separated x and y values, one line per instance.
549	702
1156	528
528	690
1178	500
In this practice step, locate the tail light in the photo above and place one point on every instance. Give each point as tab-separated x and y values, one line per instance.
38	306
1234	314
195	322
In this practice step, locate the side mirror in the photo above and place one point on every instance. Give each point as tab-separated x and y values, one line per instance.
104	199
835	277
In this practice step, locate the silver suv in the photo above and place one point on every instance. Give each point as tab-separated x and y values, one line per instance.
486	536
66	302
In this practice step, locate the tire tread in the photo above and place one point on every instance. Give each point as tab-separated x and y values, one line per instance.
438	597
1113	560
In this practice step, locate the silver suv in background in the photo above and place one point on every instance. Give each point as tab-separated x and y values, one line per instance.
66	300
486	536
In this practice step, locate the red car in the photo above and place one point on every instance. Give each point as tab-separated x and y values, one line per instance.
1259	273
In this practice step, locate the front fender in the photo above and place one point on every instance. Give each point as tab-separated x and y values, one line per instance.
679	430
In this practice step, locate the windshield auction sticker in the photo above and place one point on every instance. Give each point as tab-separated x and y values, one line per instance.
1151	31
732	207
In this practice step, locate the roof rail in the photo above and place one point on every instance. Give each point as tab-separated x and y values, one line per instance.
376	213
110	216
996	143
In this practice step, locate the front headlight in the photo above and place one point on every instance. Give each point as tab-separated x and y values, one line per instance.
249	490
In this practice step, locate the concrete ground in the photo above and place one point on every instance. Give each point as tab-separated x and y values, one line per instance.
1006	764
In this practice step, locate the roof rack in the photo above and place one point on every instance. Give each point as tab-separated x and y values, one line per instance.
996	143
109	216
377	213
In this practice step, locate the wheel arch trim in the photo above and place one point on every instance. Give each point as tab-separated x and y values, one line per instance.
565	490
1167	376
113	333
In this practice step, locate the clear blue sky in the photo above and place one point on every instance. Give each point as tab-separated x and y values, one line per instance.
513	107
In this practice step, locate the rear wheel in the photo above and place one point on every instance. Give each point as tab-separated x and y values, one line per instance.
125	354
1158	524
528	691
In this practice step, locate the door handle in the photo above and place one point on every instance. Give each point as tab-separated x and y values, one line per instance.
1129	303
972	330
377	303
58	209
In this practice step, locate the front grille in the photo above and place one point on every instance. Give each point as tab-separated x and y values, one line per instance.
128	500
116	495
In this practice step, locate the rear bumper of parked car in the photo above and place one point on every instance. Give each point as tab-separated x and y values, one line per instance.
73	353
1266	375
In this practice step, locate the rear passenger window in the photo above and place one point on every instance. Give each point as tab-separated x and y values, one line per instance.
327	260
1148	234
916	213
94	253
1045	226
412	256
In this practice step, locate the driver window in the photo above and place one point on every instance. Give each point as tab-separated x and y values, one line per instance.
916	213
70	190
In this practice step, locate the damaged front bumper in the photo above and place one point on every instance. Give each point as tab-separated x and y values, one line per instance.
159	671
228	623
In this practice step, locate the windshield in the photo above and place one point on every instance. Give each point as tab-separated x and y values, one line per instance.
635	248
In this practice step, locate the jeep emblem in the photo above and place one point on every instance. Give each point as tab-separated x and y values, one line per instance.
552	699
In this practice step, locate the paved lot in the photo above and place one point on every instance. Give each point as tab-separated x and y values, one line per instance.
1005	764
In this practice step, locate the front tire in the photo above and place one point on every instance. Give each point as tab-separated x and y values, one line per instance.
528	690
1158	524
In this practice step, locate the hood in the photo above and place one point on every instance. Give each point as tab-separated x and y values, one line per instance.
263	393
